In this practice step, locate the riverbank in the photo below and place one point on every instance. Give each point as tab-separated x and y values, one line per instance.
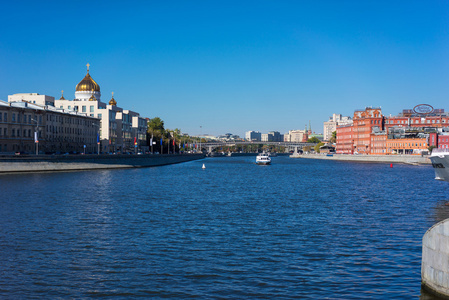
233	154
52	163
405	159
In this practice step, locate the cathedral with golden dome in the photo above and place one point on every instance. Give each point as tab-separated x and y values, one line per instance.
84	124
118	127
87	88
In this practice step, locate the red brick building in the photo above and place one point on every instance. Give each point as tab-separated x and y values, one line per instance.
378	143
443	141
345	140
373	133
363	123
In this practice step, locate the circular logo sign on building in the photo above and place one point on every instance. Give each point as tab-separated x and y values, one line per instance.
423	109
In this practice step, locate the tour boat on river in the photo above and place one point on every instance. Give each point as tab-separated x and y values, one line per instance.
263	159
440	163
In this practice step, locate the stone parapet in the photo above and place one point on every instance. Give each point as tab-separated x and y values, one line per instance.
435	259
51	163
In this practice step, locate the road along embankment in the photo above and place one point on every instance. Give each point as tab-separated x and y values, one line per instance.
52	163
435	259
404	159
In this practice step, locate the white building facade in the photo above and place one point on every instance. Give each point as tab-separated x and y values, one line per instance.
296	136
120	130
331	125
253	136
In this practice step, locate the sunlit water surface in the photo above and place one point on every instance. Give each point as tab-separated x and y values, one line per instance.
296	229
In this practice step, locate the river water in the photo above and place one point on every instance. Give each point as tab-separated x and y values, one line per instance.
298	228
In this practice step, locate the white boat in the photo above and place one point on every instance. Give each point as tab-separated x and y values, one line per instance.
440	163
263	159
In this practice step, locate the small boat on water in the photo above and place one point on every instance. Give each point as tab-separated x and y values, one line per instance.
440	163
263	159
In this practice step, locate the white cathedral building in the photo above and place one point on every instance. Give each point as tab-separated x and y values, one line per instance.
120	130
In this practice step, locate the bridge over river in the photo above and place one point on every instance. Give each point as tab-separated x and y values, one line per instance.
295	146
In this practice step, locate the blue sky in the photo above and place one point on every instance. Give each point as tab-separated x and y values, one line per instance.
232	66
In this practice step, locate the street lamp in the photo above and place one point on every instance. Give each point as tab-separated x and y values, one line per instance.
98	138
174	143
201	133
36	136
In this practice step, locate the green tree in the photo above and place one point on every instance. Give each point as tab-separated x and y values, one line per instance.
157	131
313	139
333	139
431	148
156	127
317	147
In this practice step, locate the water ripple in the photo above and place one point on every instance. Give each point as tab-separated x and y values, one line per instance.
296	229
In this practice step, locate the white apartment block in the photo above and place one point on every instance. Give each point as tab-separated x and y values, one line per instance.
253	136
295	136
331	125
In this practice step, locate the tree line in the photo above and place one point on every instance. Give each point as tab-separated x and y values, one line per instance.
163	140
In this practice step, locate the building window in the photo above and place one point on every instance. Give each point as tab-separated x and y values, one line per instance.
69	107
99	116
13	132
13	117
5	115
84	108
91	108
5	132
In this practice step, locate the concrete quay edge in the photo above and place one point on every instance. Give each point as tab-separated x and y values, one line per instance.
435	260
61	163
405	159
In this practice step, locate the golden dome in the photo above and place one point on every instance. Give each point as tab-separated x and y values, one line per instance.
112	101
87	84
62	95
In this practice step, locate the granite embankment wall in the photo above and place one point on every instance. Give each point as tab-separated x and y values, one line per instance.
435	259
405	159
15	164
